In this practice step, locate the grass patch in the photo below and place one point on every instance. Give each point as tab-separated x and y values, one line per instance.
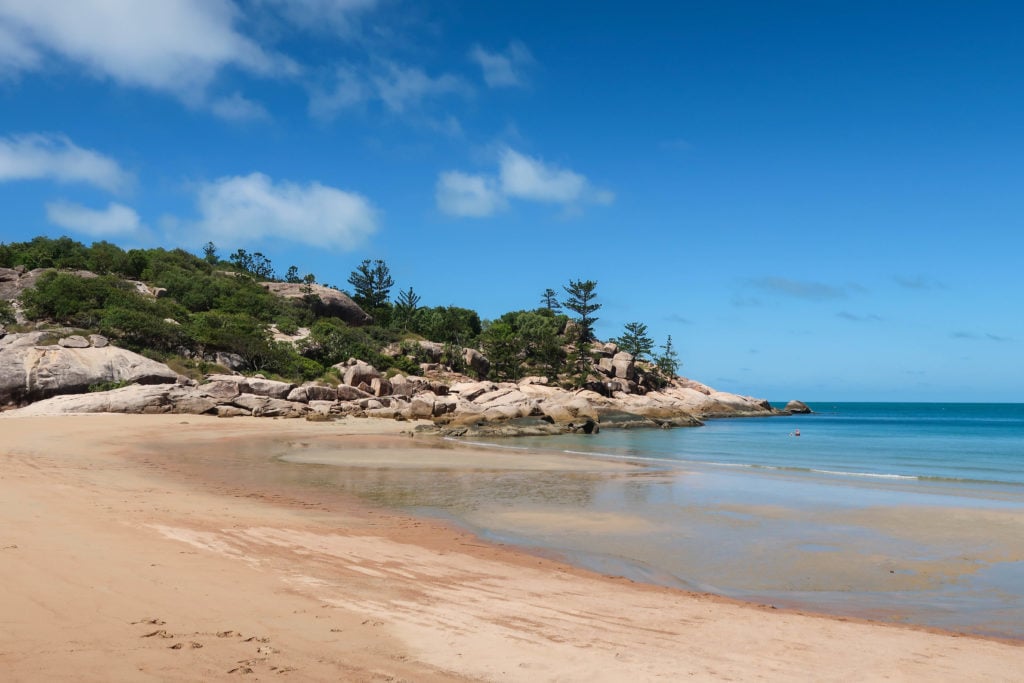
107	386
197	370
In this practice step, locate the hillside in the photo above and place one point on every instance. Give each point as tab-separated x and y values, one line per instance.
80	319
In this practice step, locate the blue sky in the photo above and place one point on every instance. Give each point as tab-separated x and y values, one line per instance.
817	199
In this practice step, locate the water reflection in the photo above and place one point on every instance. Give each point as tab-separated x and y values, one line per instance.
755	535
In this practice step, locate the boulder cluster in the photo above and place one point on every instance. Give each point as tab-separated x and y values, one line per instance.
77	374
57	371
38	365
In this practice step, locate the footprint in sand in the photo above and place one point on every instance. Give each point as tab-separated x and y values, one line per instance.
161	633
282	669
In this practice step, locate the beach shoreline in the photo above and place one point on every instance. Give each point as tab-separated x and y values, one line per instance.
115	564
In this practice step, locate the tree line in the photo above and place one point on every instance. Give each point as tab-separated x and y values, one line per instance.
204	311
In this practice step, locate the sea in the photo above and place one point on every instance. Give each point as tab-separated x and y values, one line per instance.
971	445
909	513
901	512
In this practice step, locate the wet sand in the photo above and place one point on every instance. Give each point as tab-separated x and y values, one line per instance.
126	553
883	550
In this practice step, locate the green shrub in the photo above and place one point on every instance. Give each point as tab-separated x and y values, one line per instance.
216	312
75	300
6	313
107	386
459	326
45	252
405	365
288	363
287	326
524	342
139	329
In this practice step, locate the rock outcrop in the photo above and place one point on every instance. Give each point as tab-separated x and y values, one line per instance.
328	301
64	372
356	373
44	368
14	281
36	365
232	385
466	408
797	408
477	362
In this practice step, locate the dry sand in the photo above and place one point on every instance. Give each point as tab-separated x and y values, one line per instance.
114	567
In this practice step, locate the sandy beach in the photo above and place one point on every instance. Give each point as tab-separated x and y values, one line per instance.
121	561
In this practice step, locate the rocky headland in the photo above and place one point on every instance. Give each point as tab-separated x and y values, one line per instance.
47	369
45	373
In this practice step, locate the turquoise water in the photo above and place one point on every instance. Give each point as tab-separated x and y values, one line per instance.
957	443
910	513
901	512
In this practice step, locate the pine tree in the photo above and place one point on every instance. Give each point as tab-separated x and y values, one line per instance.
371	284
550	300
406	304
307	284
581	302
408	299
210	253
634	340
668	360
254	264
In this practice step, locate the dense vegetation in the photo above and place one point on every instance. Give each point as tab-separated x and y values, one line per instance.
212	305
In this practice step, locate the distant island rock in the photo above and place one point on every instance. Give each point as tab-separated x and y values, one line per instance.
797	408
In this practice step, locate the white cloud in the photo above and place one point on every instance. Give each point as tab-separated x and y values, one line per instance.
527	178
402	86
321	15
801	289
36	156
15	54
253	208
176	47
399	88
503	69
116	219
519	177
461	194
349	90
238	108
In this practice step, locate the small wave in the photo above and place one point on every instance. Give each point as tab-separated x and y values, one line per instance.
965	480
589	454
807	470
872	475
677	462
487	444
